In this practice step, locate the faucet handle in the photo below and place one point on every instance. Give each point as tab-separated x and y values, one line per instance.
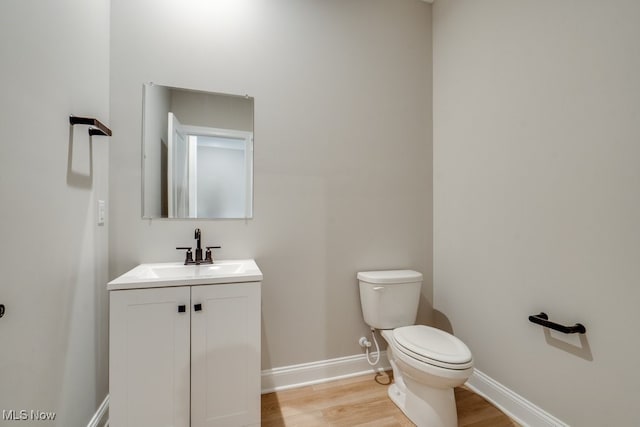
189	255
208	257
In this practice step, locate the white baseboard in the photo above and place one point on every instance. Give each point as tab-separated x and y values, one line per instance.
97	419
295	376
511	403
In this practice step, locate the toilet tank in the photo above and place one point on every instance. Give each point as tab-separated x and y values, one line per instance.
389	298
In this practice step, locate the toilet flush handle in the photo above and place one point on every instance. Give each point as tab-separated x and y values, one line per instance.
378	288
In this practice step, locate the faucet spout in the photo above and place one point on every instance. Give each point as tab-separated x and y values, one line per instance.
197	237
198	247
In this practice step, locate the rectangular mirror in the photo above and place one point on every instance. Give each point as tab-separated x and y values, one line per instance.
197	154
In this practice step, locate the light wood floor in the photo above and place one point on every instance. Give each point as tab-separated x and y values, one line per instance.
362	401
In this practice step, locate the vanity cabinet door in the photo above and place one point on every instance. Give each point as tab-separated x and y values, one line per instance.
225	355
149	357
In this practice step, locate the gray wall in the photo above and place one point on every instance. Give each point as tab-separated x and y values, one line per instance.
53	257
536	196
342	149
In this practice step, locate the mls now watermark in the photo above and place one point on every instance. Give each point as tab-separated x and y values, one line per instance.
27	415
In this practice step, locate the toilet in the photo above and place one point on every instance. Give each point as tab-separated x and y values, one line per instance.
427	362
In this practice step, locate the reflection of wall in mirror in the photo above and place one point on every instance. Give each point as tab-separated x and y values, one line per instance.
156	107
219	111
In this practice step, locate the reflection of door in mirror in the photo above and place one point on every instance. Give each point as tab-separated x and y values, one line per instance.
209	173
223	163
220	172
178	171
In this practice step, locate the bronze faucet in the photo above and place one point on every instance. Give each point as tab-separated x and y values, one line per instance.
189	255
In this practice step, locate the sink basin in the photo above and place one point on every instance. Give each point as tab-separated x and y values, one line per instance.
171	271
178	274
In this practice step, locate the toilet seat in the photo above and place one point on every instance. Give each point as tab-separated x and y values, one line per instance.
433	346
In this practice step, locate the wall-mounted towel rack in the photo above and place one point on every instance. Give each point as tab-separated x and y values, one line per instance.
99	129
543	319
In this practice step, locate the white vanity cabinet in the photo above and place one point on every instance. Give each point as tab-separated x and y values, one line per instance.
185	355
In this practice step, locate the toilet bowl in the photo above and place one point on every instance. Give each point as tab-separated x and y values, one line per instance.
427	362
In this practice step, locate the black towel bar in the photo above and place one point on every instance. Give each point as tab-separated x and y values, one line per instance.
543	319
99	129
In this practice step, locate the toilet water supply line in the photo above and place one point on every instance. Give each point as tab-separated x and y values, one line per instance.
364	342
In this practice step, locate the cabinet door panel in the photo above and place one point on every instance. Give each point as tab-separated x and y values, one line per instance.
225	355
149	358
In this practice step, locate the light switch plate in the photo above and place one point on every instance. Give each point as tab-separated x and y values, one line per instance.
101	212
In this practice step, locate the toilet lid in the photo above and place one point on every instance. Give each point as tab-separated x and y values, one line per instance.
433	346
390	276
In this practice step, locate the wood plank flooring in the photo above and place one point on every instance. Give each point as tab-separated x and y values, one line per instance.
362	401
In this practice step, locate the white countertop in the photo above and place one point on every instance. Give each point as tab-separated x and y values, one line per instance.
177	274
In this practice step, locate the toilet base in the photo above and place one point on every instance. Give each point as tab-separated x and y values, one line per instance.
423	392
435	408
